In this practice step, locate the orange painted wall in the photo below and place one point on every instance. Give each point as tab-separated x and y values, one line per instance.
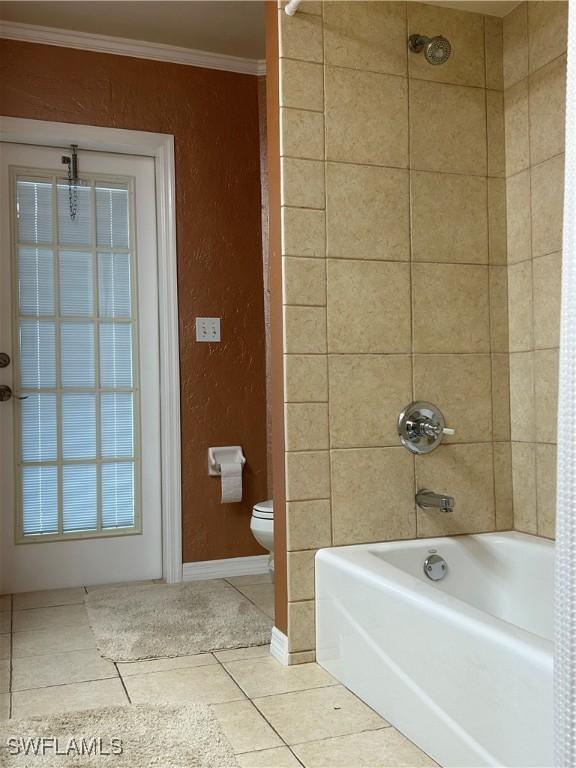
214	119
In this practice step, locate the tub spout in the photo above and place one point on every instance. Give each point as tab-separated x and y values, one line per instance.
426	499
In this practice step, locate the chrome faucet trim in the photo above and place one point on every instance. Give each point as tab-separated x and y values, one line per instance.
426	499
421	427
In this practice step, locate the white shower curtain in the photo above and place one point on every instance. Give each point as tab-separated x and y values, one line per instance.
565	577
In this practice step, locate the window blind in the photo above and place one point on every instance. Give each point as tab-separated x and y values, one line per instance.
76	325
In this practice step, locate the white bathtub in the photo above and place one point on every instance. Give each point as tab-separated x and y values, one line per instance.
462	666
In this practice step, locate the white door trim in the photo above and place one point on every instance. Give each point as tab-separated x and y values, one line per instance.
160	146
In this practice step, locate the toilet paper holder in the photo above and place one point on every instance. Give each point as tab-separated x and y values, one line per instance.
223	455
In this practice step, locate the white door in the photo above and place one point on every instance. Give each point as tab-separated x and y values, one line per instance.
80	453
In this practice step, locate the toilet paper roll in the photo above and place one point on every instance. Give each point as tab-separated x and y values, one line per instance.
231	477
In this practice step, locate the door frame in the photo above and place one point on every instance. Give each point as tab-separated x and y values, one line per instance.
159	146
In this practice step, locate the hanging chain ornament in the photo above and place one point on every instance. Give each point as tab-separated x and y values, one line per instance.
72	163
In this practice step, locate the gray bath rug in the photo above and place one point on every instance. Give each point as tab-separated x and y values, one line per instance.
147	736
162	620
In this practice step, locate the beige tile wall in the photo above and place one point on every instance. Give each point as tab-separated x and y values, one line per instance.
395	278
534	60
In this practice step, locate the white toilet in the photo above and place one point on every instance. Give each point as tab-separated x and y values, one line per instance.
262	524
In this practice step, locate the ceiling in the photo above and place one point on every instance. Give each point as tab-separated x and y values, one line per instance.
227	27
231	28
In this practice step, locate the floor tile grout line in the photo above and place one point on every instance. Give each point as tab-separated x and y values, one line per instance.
246	697
75	650
284	744
260	583
250	600
296	756
252	751
55	627
161	671
122	682
343	735
300	690
248	586
51	653
269	749
43	607
120	676
251	700
63	685
341	685
61	622
385	724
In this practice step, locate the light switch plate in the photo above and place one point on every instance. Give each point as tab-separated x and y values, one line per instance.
207	329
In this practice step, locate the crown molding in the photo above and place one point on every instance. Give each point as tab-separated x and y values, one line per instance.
121	46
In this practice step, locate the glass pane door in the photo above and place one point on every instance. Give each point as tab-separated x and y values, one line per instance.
77	437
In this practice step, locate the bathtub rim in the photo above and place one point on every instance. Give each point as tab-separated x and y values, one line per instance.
361	561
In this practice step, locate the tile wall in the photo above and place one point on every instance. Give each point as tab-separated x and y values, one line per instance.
395	278
535	83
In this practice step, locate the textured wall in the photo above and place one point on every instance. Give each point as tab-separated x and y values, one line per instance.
394	257
214	118
535	79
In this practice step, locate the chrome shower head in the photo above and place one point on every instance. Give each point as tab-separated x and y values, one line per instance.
437	49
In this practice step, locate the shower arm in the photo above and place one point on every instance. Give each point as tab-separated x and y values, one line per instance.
291	7
417	42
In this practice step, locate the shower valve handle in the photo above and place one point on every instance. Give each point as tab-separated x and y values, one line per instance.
421	427
432	429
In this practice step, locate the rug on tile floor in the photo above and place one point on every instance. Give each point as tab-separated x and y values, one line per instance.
149	736
162	620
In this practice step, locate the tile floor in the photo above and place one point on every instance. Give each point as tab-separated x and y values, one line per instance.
274	716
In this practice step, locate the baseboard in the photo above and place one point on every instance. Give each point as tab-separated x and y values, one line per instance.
223	569
279	646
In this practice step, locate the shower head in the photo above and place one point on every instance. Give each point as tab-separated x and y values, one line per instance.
437	49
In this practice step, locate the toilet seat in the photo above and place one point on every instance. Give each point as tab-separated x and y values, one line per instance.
262	524
264	510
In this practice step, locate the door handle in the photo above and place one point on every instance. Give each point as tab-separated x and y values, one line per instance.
6	393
